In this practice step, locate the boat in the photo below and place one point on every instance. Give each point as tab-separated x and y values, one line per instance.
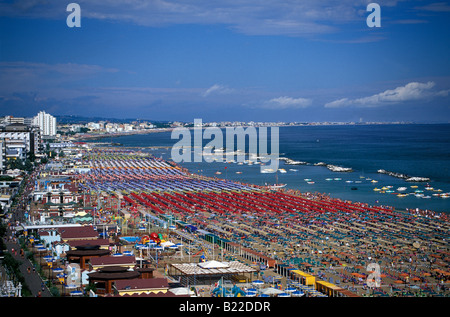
374	181
354	188
276	186
310	183
282	170
401	189
218	173
238	172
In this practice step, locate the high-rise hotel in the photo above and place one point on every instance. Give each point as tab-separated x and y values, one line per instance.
46	122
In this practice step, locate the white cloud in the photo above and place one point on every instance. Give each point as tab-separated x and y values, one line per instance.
410	92
287	103
217	89
338	103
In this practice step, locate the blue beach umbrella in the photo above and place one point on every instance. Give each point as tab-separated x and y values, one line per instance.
258	282
76	293
297	293
290	289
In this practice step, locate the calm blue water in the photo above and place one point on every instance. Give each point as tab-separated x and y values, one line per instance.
415	150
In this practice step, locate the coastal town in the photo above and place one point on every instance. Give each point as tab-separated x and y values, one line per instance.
87	219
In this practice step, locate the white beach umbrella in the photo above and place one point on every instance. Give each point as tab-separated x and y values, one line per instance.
181	291
271	291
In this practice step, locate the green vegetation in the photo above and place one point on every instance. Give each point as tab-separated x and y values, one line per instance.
12	267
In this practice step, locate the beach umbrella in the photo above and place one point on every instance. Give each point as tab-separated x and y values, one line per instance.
271	291
76	293
181	291
297	294
257	282
48	258
290	289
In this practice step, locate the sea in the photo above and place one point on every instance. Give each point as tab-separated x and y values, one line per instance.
416	150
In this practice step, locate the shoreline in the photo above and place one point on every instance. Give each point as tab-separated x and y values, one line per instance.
320	164
86	137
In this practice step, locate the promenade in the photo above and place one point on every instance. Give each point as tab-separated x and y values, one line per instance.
32	278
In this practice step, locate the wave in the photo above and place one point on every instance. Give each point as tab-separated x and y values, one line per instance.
404	176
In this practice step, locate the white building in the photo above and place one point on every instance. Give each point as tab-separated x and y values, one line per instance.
46	122
2	155
18	141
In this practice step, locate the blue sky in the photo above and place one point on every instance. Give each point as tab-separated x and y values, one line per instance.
227	60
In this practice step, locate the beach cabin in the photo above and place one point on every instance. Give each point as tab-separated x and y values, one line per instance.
332	290
303	278
257	257
128	262
140	286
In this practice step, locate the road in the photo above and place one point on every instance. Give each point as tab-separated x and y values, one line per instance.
32	279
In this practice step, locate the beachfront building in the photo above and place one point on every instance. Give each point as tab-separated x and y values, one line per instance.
18	140
2	154
139	286
208	272
46	123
